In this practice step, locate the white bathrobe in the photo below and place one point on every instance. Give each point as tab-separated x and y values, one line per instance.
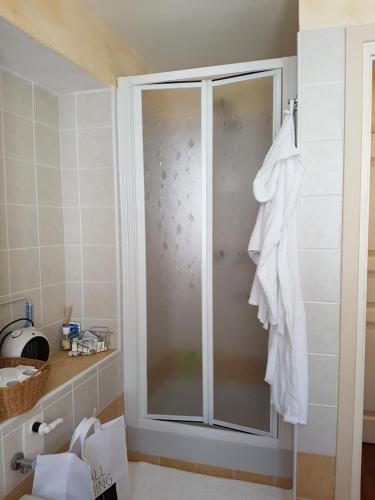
276	289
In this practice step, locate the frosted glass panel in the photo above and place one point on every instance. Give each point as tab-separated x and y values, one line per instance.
172	168
242	134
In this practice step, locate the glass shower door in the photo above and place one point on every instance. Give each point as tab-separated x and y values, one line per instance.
171	119
245	116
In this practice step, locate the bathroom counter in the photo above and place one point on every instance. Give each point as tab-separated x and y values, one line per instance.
64	367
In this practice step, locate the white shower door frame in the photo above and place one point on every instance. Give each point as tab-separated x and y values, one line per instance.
133	235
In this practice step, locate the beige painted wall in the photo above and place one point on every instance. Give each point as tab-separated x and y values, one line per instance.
70	29
323	13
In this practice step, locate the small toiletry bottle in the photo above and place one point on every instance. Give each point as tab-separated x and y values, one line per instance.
65	344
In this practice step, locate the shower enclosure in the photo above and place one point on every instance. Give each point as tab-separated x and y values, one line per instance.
191	143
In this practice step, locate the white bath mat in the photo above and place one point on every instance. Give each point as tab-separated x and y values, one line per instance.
151	482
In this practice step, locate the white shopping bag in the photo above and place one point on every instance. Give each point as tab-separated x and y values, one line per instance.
63	476
103	447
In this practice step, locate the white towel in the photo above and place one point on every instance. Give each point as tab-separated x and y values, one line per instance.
276	289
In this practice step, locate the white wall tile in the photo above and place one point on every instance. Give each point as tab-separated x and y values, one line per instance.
312	231
74	297
319	435
323	112
320	275
94	109
323	379
323	55
323	167
72	226
53	334
323	327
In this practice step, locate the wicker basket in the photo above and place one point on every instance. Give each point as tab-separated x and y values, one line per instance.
22	397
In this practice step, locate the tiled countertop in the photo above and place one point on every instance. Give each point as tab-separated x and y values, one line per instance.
64	368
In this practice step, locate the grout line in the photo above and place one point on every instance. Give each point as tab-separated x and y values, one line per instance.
23	77
5	192
37	208
323	354
79	202
96	127
320	84
323	405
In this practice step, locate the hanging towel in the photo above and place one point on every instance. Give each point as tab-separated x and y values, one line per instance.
276	288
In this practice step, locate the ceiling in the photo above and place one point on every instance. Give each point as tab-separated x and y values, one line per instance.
177	34
23	54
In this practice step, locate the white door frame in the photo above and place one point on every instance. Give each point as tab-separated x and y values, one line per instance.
358	106
133	255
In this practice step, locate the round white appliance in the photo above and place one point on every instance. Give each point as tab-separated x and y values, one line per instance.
28	342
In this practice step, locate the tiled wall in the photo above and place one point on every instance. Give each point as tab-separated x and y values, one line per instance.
86	140
31	218
57	208
321	100
96	389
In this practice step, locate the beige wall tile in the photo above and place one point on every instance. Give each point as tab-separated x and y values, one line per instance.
53	301
11	444
52	263
74	298
20	182
177	464
53	334
210	470
51	227
17	94
72	226
2	176
99	263
46	106
95	147
18	137
4	273
67	111
24	269
18	308
85	399
49	186
62	434
70	194
73	266
99	300
3	227
96	187
22	226
137	456
47	148
320	275
108	385
94	109
68	148
98	226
